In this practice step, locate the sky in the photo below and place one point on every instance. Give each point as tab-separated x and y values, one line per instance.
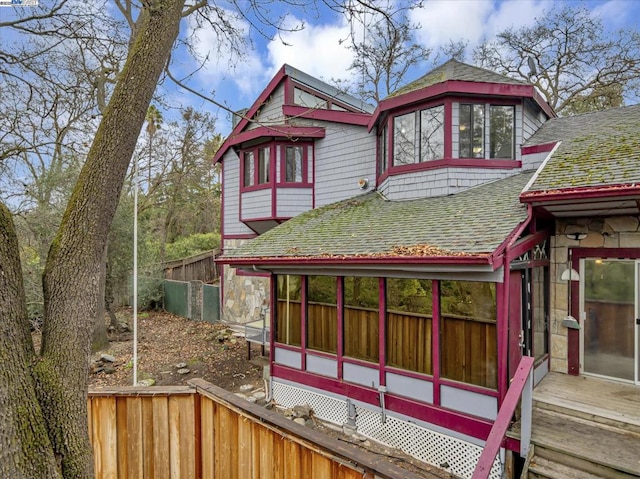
318	49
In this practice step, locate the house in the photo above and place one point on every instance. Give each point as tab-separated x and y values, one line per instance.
434	241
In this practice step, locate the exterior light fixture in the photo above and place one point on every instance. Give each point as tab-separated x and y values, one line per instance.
363	183
569	275
576	236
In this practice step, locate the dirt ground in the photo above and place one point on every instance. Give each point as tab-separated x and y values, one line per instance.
168	344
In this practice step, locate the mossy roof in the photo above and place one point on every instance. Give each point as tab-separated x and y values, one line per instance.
455	70
598	149
473	222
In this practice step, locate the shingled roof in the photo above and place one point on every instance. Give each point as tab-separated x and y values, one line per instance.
455	70
371	226
598	149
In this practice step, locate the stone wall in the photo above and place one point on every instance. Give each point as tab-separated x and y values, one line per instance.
243	297
613	232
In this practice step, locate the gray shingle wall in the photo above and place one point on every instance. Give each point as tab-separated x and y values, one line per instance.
532	121
293	201
231	172
533	161
346	154
256	204
271	111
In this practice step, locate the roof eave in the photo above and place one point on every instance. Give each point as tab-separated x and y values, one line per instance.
580	193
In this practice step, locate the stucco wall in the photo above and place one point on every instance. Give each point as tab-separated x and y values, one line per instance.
612	232
243	297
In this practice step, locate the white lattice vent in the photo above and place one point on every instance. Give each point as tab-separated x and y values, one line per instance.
423	444
325	407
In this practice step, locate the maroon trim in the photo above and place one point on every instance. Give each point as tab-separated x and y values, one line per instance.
409	374
303	324
561	195
525	244
435	340
340	325
283	183
378	260
313	178
243	272
321	354
468	387
288	347
288	91
348	117
502	330
361	362
273	154
455	163
278	131
512	238
240	236
472	426
272	326
542	103
544	148
456	87
382	329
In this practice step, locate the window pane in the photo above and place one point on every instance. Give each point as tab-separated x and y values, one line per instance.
408	323
304	98
502	132
468	332
540	311
471	131
294	164
322	313
361	318
264	155
432	133
382	151
289	313
404	139
248	169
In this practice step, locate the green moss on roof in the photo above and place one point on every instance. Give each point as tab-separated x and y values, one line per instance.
470	223
598	149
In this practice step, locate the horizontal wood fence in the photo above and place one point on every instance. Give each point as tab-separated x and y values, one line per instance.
198	267
468	346
203	431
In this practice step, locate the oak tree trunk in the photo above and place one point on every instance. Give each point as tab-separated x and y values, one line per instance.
43	400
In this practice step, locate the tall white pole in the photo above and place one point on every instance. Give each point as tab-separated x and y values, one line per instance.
135	272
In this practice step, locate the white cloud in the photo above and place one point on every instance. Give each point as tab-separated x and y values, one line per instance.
616	13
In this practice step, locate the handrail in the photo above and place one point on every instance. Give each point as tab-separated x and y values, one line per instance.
522	385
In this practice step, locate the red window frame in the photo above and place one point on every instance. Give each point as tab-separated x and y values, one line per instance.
254	184
305	163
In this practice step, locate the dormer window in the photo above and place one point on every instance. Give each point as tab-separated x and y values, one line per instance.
476	135
256	166
418	136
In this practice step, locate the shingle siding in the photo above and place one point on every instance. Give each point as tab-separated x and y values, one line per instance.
531	121
271	110
256	204
231	185
293	201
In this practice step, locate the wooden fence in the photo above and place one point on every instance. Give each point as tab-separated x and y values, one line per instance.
468	346
199	267
203	431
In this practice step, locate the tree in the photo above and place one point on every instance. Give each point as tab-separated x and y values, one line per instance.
570	58
44	415
385	55
154	121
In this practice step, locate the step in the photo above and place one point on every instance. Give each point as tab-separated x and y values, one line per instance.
541	468
600	449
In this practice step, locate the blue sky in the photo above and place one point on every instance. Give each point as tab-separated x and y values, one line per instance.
317	50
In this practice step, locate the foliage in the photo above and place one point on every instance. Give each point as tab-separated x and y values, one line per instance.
572	60
192	245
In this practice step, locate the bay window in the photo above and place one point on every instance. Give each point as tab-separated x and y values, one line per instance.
473	131
256	166
418	136
295	164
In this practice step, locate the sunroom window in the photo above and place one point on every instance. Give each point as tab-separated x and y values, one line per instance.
474	130
249	176
502	131
264	155
418	136
471	131
294	159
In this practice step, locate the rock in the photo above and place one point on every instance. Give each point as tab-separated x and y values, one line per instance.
124	327
303	411
300	421
183	371
259	395
181	365
107	358
97	369
246	387
108	369
241	396
147	382
251	399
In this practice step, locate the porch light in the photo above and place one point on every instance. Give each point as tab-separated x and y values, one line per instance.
576	236
569	274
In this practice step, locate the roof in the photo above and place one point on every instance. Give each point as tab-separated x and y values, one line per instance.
455	70
369	226
596	150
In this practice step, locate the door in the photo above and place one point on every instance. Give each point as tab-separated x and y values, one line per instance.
608	311
517	318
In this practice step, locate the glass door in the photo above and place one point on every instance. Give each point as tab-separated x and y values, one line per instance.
608	313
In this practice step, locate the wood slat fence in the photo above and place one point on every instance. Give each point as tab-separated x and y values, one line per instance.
202	431
198	267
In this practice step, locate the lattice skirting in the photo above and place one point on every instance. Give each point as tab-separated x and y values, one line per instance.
424	444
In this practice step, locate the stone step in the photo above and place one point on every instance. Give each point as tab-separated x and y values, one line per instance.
600	449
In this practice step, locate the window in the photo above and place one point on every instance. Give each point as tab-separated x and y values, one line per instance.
471	130
468	332
264	155
382	151
322	313
408	322
249	176
289	311
295	164
501	136
361	318
418	136
303	98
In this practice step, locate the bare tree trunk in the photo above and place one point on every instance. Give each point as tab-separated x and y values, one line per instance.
43	410
100	340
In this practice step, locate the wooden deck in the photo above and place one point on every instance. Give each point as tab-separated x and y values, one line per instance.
585	428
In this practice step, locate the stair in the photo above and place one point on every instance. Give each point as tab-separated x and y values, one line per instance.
573	443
